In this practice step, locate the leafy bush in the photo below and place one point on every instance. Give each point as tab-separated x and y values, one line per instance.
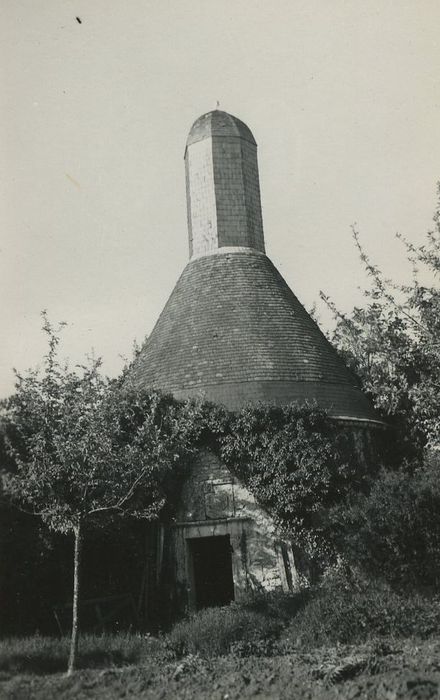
394	531
276	605
218	631
353	610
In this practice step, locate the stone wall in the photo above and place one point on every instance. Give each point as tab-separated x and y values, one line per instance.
214	503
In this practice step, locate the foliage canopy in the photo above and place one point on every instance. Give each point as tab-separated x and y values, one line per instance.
84	448
393	342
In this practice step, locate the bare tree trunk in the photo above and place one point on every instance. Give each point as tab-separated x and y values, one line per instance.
76	591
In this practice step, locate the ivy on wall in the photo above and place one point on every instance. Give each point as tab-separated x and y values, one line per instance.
296	461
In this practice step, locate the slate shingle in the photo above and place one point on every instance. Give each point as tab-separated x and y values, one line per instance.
233	332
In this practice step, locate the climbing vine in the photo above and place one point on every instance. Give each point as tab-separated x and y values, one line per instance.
296	461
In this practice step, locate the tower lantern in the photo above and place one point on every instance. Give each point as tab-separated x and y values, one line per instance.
222	186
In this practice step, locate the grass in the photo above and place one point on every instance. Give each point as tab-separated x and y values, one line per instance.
45	655
346	632
400	671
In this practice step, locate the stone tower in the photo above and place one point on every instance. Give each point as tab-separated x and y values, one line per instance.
232	332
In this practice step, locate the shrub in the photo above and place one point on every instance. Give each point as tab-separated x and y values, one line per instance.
394	531
353	611
276	605
217	631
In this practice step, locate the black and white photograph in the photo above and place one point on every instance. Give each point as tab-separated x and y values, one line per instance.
220	350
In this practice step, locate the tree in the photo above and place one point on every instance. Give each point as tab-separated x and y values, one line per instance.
86	450
393	342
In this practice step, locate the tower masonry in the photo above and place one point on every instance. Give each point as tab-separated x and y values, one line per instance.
222	185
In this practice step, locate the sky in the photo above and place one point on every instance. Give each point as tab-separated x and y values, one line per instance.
343	98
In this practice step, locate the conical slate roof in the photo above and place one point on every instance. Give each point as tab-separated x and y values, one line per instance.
233	332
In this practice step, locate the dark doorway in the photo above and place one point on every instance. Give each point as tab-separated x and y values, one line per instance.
212	571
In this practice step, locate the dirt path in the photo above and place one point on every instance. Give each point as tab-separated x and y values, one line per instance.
387	671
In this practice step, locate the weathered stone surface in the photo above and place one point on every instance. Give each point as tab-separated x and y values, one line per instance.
214	503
